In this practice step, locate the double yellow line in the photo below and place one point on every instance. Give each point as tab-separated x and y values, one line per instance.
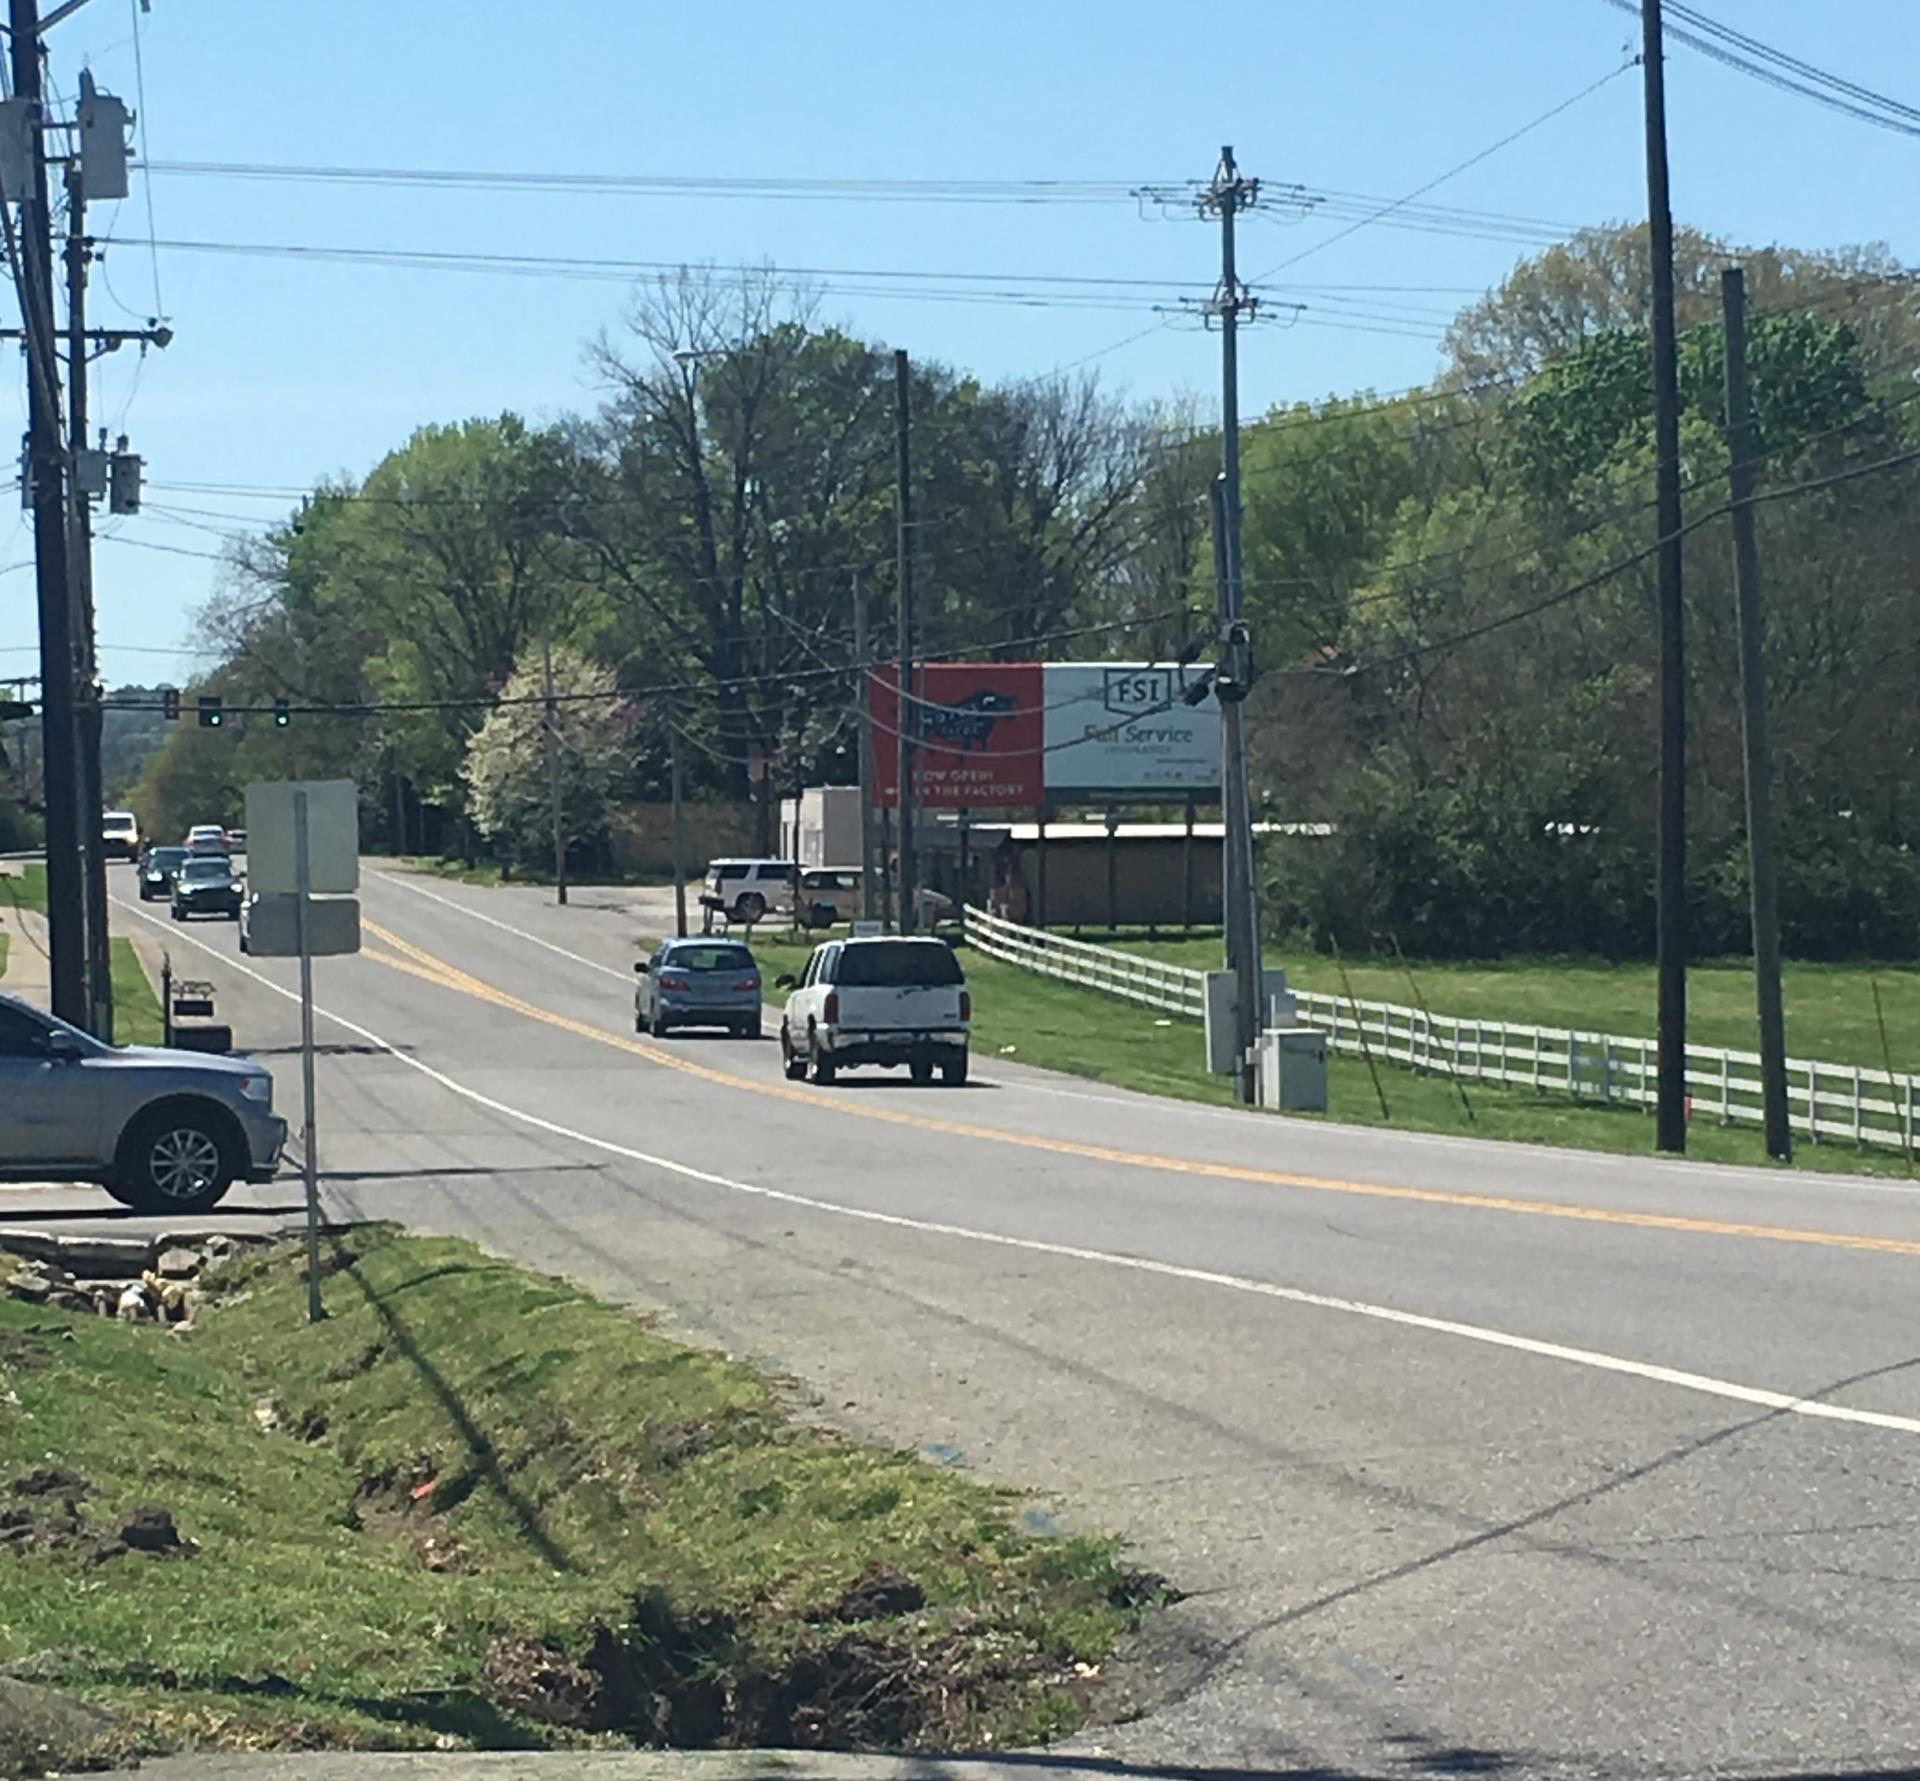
411	959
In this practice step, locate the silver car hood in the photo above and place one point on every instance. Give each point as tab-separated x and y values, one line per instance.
160	1057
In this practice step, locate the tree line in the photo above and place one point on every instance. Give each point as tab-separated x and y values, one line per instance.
1451	594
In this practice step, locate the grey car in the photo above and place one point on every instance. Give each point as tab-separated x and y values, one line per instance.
162	1131
698	983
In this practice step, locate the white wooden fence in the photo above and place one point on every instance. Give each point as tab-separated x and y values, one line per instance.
1826	1101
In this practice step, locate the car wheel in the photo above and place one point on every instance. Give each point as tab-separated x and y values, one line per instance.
750	1029
824	1069
639	1018
921	1070
173	1160
178	913
661	1026
954	1071
791	1062
750	907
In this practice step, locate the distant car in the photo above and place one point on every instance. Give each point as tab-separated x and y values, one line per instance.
206	837
207	886
236	841
747	889
120	835
162	1131
878	999
157	867
698	983
832	887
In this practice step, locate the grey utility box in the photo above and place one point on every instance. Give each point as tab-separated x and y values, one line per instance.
1293	1070
1278	1009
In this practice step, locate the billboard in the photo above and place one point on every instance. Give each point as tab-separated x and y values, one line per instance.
1121	728
979	728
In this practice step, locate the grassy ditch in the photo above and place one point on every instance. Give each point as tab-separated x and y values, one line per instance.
477	1508
25	889
136	1009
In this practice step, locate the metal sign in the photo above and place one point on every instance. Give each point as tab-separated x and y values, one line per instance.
273	926
333	836
1124	728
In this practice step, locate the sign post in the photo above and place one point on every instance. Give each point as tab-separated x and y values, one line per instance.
309	1147
303	864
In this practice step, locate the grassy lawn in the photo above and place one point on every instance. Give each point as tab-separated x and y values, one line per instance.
1030	1019
26	889
1829	1007
136	1009
5	941
477	1507
488	874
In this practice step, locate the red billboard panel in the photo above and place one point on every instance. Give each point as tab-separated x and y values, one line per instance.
979	732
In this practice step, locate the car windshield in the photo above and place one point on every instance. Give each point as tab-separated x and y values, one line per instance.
205	871
164	859
118	819
914	964
710	958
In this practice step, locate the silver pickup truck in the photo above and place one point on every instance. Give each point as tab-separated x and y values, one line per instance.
162	1131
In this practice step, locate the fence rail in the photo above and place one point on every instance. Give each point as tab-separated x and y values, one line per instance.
1825	1101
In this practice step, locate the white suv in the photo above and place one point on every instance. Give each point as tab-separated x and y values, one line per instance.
878	1000
745	890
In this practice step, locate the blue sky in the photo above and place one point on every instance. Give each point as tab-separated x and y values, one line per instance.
282	372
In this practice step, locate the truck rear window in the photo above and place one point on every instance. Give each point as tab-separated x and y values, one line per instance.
903	964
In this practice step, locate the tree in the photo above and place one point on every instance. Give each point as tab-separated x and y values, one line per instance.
509	772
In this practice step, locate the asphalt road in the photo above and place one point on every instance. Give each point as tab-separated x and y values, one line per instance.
1471	1458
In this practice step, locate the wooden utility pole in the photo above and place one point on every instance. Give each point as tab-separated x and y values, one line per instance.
863	717
1670	1112
88	716
1751	614
677	793
549	721
908	720
46	470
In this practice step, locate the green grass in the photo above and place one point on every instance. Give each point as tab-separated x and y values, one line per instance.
136	1009
1030	1019
1830	1013
5	941
585	1474
487	873
26	889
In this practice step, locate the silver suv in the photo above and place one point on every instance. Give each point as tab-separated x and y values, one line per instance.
162	1131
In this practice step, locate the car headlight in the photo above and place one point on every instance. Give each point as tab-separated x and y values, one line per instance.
257	1088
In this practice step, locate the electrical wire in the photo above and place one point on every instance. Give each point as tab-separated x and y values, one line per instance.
140	93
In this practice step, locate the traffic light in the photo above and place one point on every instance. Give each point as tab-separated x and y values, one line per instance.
281	715
211	716
170	703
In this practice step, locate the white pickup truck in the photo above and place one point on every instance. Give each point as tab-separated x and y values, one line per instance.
877	1000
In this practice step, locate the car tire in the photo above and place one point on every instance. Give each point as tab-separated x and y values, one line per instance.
954	1071
639	1021
822	1068
749	1029
661	1026
751	906
921	1070
793	1066
174	1159
178	913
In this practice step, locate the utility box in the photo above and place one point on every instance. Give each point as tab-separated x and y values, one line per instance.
1277	1009
1293	1070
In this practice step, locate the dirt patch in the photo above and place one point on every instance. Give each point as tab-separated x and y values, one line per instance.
52	1481
881	1594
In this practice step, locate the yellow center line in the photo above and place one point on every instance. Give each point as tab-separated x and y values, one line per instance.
425	965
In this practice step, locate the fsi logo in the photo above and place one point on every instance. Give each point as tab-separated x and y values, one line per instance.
1139	692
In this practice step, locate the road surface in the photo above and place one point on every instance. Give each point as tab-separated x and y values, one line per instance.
1471	1458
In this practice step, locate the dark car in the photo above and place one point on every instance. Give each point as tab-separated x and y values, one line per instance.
157	867
206	885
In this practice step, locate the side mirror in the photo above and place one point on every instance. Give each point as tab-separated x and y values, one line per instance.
784	980
64	1048
640	965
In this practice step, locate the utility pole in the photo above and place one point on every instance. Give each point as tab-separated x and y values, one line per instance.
1670	1114
87	676
863	716
1227	196
46	469
679	827
550	713
1751	614
908	719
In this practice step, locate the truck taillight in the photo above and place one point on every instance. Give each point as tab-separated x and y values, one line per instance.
832	1010
966	1004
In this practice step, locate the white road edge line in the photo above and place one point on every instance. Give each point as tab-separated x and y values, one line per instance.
1703	1383
420	890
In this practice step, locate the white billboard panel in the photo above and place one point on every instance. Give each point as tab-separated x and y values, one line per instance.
1123	728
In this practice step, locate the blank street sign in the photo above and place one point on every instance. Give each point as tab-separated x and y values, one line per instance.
333	836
